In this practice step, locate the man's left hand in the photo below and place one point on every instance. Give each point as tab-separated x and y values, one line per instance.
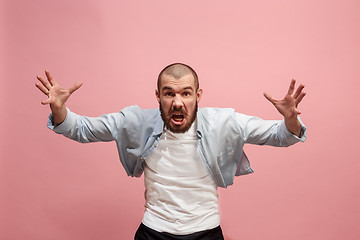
288	106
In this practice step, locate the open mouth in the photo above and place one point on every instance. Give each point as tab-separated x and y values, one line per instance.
178	119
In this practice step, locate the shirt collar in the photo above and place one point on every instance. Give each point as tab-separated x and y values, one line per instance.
200	123
159	126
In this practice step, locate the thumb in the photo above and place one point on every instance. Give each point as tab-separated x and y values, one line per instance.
47	101
75	87
269	97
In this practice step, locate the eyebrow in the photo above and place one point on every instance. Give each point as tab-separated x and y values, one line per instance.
170	88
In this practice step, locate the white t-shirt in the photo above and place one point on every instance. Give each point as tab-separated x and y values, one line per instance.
181	196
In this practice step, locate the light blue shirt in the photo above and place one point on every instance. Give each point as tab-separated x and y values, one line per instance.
221	132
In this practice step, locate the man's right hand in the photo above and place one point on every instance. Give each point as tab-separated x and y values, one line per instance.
57	96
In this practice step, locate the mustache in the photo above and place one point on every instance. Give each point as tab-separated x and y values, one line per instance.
177	110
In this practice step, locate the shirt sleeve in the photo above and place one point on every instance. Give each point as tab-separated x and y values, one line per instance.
88	129
255	130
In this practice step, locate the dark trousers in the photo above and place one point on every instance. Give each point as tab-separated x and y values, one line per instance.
146	233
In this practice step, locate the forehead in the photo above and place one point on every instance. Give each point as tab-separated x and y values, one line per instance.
168	81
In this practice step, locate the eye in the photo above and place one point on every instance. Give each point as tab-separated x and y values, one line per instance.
169	94
186	94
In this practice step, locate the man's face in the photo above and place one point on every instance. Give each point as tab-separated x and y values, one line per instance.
178	99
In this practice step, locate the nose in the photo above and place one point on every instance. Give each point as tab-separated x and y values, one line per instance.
177	103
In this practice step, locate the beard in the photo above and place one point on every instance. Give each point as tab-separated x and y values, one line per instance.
178	129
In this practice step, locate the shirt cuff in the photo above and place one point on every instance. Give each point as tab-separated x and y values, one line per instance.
294	138
63	127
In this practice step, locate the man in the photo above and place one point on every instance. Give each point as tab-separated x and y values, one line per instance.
184	152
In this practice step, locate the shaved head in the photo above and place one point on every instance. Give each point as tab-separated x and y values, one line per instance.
178	70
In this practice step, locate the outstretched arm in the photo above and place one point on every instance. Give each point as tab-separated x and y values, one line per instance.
288	106
57	96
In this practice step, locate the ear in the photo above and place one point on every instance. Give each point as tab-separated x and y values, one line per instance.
199	94
157	94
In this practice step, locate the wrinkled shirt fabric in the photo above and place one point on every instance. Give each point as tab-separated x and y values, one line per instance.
221	133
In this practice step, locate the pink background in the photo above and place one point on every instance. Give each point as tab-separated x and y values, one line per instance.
54	188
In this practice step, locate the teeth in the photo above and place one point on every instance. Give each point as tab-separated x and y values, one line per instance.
178	117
